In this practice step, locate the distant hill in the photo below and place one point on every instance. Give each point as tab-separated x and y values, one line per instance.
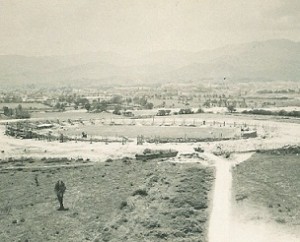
269	60
257	61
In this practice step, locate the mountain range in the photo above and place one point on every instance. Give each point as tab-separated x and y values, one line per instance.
254	61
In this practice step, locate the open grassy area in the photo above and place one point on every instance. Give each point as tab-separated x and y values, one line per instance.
151	131
29	106
271	181
72	115
117	200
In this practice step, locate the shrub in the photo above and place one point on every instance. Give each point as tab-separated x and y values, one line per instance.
200	110
280	220
141	192
123	204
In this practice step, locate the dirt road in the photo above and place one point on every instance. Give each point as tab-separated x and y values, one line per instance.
220	217
223	226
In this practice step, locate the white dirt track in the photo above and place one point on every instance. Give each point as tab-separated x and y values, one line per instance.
223	226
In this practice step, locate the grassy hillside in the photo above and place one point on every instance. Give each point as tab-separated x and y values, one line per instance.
123	200
270	181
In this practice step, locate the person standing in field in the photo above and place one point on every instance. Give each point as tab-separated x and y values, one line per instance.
60	189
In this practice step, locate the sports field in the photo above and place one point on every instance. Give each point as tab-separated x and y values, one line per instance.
150	131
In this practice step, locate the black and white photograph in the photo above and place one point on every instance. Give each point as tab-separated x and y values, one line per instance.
149	120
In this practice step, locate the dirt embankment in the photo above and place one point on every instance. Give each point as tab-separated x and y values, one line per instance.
118	200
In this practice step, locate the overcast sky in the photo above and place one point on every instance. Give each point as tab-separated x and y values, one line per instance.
50	27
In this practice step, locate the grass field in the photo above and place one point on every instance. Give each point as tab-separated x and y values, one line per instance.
151	131
120	200
71	115
272	182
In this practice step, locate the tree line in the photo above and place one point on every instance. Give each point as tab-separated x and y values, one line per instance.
273	113
17	112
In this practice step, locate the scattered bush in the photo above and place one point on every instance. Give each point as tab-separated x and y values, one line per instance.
200	110
126	160
280	220
141	192
150	224
123	204
154	179
161	235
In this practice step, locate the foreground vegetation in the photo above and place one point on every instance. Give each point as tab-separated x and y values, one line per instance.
123	200
271	181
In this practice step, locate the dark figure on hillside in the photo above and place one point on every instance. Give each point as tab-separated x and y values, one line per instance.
60	189
61	138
